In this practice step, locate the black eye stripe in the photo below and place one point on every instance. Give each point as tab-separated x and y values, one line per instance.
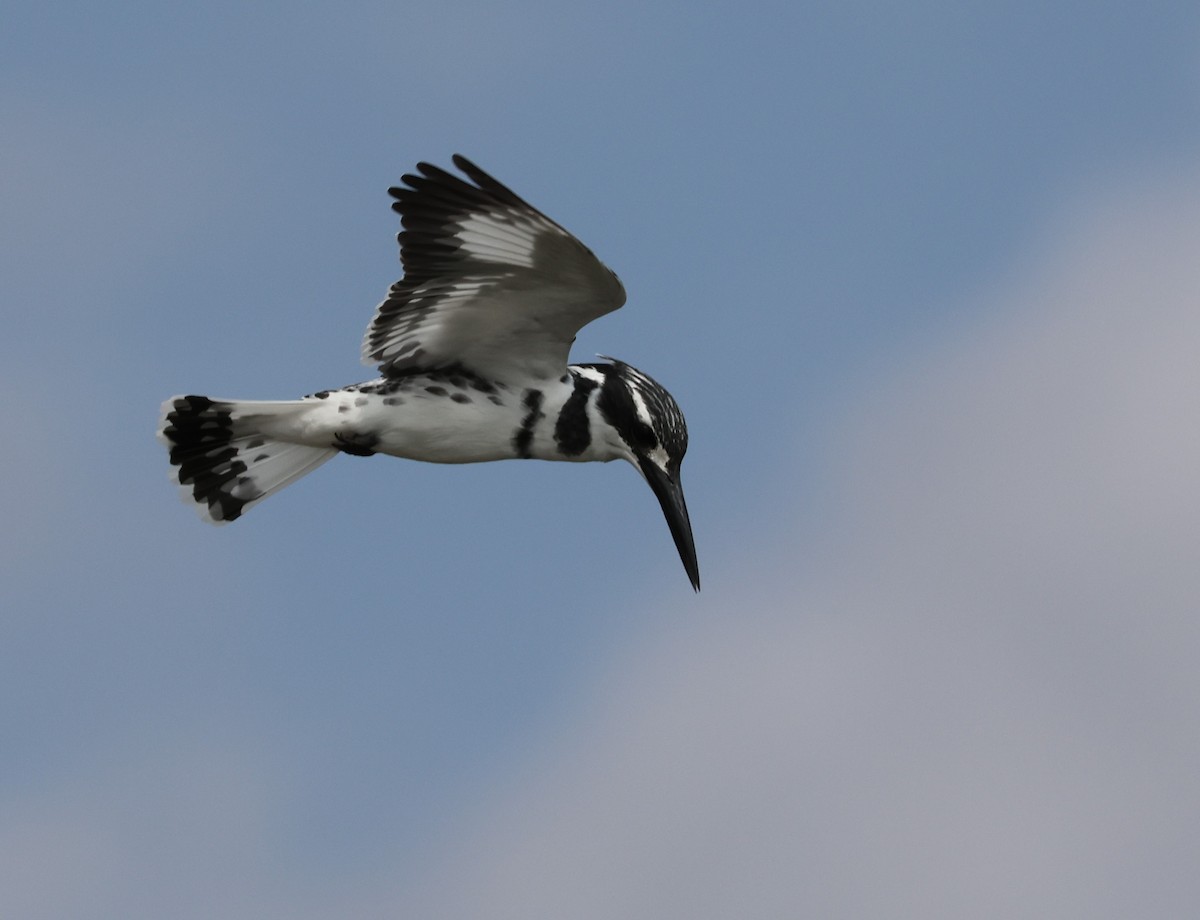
619	408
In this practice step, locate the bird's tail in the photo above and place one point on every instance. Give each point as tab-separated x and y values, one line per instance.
227	455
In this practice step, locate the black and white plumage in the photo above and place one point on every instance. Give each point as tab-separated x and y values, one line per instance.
472	345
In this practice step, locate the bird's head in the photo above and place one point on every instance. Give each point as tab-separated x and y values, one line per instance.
654	437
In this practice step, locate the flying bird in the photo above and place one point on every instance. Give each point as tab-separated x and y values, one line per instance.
471	346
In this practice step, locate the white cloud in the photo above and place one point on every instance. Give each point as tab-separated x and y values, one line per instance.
981	700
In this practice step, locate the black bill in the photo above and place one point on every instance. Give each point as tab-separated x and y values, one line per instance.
670	497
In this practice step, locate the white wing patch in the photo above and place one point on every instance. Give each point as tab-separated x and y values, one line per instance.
492	238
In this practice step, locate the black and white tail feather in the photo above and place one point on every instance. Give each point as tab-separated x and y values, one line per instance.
223	454
472	345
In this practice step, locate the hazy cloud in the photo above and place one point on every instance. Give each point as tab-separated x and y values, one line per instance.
981	698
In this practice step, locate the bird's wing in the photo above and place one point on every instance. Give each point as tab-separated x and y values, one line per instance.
490	282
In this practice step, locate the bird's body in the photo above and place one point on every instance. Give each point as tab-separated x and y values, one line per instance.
472	345
453	417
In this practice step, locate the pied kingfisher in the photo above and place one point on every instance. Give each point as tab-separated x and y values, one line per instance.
472	346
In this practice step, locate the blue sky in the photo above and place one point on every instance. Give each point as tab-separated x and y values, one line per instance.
922	278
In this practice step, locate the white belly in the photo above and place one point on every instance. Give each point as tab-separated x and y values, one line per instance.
437	430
